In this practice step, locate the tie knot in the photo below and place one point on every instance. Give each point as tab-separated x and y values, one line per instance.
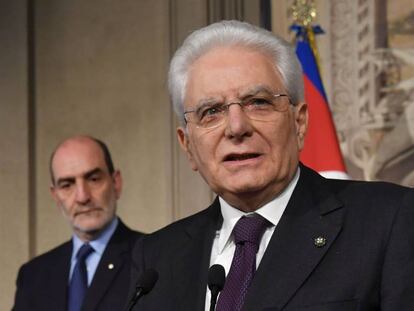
250	229
84	252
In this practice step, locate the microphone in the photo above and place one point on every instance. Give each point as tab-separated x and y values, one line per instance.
216	280
144	285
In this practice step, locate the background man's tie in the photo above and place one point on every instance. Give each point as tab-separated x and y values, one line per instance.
247	234
79	281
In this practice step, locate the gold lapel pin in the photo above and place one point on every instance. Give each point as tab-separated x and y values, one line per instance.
320	241
111	266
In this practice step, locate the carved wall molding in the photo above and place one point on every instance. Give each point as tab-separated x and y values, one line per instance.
370	104
369	110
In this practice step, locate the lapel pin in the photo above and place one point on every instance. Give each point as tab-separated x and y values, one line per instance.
110	266
320	241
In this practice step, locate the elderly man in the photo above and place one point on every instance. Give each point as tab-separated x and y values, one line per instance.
288	239
92	271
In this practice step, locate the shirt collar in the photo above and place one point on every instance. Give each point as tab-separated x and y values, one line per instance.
100	243
272	211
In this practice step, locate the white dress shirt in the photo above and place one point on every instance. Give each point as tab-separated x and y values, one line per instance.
223	245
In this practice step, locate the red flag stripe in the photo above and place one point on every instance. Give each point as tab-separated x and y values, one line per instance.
321	151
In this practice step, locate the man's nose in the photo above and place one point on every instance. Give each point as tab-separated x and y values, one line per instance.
238	123
82	193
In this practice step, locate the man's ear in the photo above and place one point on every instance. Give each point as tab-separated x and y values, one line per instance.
301	123
117	178
53	193
185	145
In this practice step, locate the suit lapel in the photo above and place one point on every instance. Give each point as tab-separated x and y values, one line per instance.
190	270
292	254
58	278
109	266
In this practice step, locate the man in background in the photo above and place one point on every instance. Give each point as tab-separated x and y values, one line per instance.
92	270
288	239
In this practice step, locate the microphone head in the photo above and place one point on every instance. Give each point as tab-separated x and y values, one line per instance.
216	278
147	280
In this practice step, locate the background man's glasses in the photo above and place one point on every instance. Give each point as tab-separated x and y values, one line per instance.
260	108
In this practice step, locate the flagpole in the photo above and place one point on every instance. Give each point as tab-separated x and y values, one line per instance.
321	151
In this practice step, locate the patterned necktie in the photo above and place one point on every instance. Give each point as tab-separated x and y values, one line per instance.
247	234
79	281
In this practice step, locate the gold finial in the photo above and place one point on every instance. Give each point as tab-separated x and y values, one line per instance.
303	12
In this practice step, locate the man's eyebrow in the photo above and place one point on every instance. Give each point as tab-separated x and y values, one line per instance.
207	102
93	172
85	175
65	179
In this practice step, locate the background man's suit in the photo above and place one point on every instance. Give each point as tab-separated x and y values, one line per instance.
367	262
42	283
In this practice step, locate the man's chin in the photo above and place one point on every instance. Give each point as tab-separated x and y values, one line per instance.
239	193
245	184
89	231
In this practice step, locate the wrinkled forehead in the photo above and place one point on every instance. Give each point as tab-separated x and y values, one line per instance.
75	157
230	71
241	94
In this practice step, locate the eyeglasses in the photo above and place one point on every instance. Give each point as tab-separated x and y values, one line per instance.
260	108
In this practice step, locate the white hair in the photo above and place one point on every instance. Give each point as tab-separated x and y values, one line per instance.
233	33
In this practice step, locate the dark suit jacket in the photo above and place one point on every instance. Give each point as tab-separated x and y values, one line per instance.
366	264
42	282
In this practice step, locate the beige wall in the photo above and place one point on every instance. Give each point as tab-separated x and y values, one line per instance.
14	148
95	67
99	73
